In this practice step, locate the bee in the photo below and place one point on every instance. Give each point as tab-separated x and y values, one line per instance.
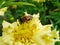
25	19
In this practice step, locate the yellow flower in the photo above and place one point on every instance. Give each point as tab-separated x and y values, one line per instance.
2	11
30	32
45	36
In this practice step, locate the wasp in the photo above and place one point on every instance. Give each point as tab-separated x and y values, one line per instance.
25	19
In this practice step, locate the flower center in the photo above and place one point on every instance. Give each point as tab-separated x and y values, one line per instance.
24	32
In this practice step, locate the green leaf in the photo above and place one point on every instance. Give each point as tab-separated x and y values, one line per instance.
8	3
57	43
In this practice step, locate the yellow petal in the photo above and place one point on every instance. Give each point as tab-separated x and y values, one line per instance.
5	24
2	11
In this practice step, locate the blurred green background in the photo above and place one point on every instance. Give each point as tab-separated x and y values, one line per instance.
49	11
